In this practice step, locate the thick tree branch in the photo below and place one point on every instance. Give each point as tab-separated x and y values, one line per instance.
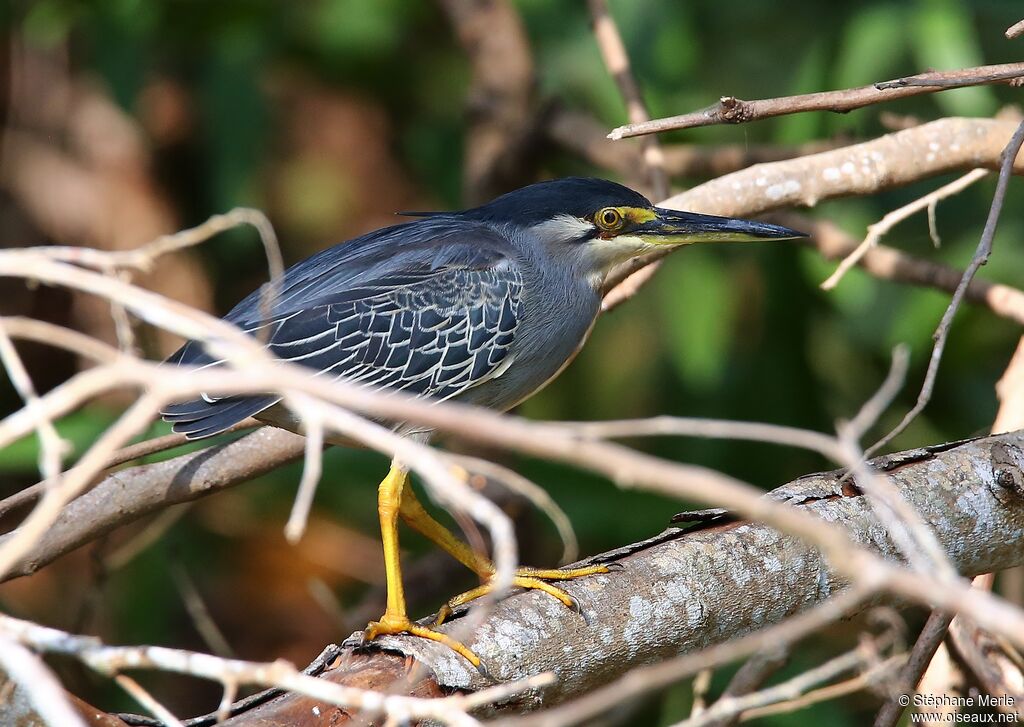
867	168
678	592
121	498
886	263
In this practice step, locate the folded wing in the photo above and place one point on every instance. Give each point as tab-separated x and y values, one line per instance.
431	327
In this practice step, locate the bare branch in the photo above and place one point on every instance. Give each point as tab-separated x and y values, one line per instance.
613	51
920	657
693	571
866	168
584	135
122	456
144	698
794	693
47	695
886	263
878	230
754	672
731	110
980	258
114	659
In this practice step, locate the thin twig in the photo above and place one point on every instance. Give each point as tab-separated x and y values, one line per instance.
701	687
793	690
915	539
616	59
872	677
52	447
886	263
927	644
149	535
146	700
731	110
537	495
1015	30
312	467
124	455
878	230
197	610
755	671
113	659
46	693
980	257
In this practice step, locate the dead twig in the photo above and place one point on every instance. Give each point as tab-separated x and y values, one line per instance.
230	672
927	644
731	110
798	692
878	230
146	448
613	52
980	258
754	672
886	263
583	135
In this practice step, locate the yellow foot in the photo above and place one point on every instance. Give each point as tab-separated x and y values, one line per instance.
532	579
400	625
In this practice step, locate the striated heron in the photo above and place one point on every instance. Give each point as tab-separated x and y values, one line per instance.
484	306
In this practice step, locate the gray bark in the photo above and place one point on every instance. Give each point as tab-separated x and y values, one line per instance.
686	590
124	497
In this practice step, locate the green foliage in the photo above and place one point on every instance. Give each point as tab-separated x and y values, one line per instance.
740	332
699	308
944	37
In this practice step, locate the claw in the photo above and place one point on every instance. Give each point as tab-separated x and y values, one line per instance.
389	625
532	579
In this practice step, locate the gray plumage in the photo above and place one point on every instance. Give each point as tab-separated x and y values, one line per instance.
483	306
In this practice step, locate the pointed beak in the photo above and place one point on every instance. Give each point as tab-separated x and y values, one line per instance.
671	227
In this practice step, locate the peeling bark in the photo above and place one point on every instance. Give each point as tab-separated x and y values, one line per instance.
684	590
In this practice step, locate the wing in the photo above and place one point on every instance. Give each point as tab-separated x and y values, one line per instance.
433	327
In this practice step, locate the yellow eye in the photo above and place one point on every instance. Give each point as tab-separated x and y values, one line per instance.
608	219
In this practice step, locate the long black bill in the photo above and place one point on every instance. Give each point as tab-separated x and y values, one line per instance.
672	227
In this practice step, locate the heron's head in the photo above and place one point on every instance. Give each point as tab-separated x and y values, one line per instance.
603	223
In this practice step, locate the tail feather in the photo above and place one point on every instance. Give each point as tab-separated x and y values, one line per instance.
200	418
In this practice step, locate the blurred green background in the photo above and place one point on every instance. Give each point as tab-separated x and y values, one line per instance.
332	114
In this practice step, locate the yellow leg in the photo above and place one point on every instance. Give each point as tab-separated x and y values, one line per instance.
395	620
413	513
417	518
